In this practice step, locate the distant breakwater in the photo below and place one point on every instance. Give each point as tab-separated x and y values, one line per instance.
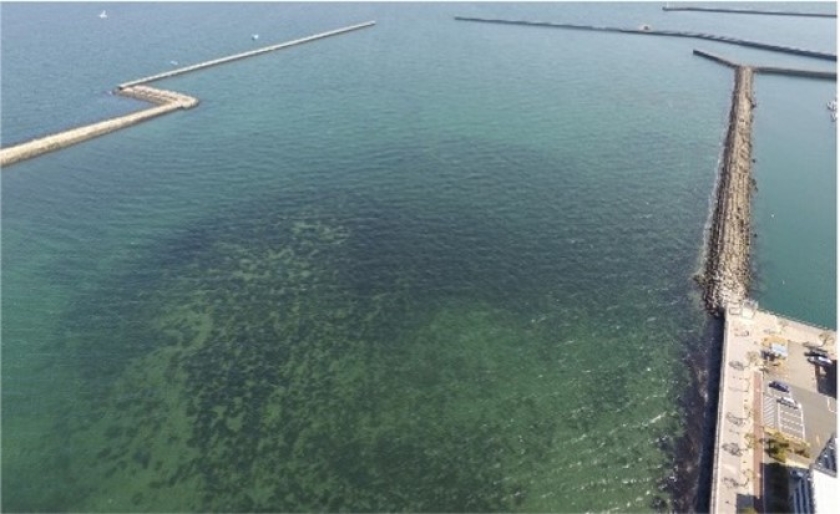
766	12
776	70
243	55
671	33
164	102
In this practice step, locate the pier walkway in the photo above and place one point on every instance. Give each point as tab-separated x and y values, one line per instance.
164	102
670	33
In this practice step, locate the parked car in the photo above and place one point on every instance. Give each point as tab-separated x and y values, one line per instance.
816	352
781	386
820	361
790	402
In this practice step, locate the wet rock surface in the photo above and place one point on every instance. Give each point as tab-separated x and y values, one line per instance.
727	273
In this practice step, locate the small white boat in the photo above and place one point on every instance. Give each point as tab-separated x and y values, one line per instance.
255	37
103	15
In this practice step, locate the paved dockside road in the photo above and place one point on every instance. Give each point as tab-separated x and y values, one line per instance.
736	480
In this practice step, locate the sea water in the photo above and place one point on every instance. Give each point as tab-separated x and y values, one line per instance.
430	265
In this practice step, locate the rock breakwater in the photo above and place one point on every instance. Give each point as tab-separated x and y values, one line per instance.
726	276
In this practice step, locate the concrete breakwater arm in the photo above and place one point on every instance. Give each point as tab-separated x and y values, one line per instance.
243	55
716	58
159	96
727	271
816	74
669	33
751	11
165	101
51	143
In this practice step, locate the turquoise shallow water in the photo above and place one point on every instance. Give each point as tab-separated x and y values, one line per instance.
427	266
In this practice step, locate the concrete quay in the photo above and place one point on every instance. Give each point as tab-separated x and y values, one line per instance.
736	479
670	33
742	425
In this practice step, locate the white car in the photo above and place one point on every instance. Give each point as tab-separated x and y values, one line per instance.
820	361
790	402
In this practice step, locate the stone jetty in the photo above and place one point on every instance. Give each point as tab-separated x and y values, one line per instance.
647	31
164	102
727	272
726	275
